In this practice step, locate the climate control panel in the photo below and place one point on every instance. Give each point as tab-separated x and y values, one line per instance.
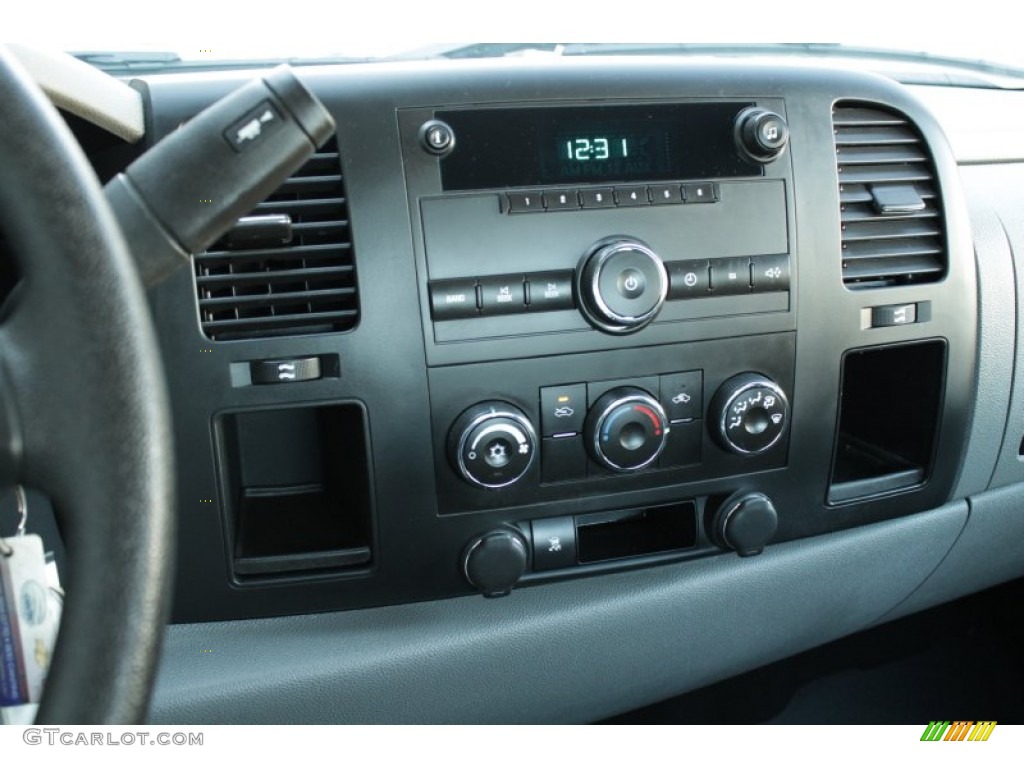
545	433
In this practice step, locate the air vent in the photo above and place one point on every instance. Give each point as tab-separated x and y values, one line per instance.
253	286
892	226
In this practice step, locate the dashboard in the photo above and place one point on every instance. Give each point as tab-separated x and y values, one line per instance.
685	366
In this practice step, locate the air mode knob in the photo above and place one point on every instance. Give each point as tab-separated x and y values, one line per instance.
748	414
622	285
626	429
492	444
761	135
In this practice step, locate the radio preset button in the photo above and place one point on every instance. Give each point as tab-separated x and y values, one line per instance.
626	197
706	192
561	200
502	295
548	291
524	202
453	299
666	194
597	197
730	277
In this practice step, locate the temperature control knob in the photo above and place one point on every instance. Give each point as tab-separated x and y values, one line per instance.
626	429
761	135
492	444
622	285
749	414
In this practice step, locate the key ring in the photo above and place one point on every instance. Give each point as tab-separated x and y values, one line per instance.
19	494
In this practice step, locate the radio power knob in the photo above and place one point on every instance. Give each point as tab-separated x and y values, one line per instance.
749	414
622	285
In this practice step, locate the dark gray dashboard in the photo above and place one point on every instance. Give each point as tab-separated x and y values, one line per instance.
339	496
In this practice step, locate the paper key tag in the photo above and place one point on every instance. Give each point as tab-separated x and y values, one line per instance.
29	620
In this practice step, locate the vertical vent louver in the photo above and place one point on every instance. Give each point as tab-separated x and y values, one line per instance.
891	210
251	288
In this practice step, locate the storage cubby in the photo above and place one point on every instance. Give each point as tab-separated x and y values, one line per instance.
298	489
604	536
889	410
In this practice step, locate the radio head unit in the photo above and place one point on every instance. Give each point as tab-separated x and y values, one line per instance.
545	146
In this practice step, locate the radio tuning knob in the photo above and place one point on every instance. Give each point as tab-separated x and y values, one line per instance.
748	414
622	285
761	135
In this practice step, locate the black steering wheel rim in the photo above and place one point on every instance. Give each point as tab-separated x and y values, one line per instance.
86	411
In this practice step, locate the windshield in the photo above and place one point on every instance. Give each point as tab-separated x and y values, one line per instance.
968	35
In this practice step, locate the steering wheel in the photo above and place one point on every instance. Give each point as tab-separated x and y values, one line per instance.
84	414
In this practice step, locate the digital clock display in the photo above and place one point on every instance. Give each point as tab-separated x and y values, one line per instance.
598	148
540	146
624	154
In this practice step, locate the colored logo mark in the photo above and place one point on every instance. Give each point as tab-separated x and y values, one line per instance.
959	730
